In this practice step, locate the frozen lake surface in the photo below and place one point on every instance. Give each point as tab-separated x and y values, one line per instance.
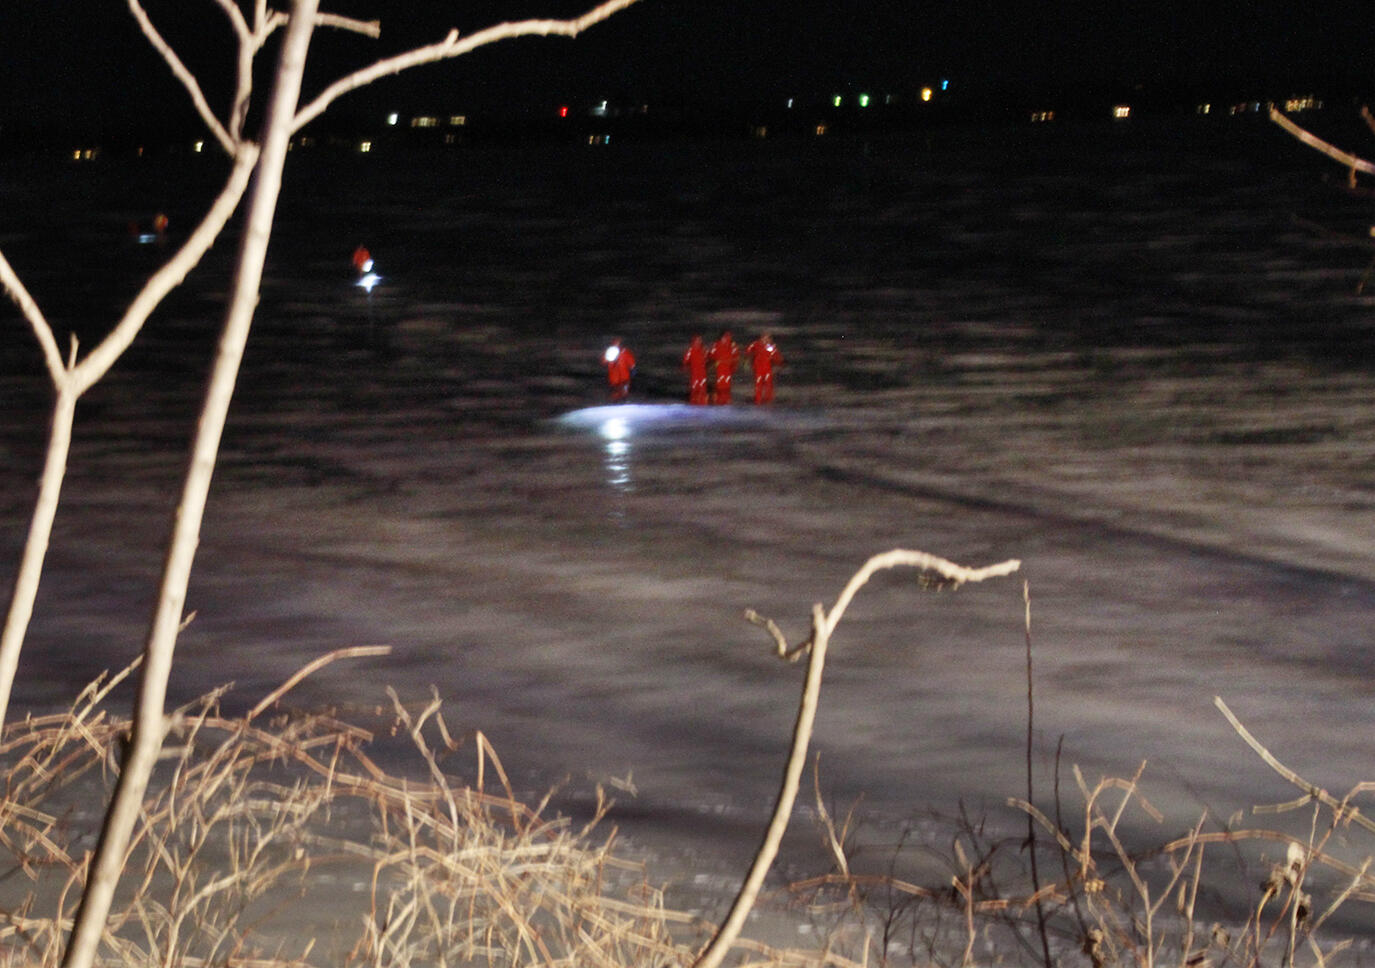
1122	355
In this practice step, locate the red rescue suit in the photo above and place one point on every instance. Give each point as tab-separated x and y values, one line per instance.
620	366
362	260
764	356
695	363
725	357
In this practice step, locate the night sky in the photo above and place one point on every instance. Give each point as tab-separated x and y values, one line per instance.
81	63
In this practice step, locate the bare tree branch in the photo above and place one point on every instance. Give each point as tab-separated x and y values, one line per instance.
236	18
452	46
237	21
184	75
249	41
369	28
24	591
98	362
1313	141
52	356
956	575
900	557
823	625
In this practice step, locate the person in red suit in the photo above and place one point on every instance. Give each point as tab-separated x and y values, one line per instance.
695	363
362	260
764	356
620	367
724	356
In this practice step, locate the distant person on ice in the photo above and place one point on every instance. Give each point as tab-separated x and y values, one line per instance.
695	363
154	231
724	355
764	356
620	367
362	260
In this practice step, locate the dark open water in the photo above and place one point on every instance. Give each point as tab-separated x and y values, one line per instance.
1130	356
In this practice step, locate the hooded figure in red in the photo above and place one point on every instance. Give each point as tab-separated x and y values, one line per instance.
724	355
620	367
764	356
695	363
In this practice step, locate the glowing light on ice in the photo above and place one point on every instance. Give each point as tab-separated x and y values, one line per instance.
368	281
615	429
641	420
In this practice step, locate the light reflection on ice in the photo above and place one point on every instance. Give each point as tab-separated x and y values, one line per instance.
618	464
623	428
617	421
626	420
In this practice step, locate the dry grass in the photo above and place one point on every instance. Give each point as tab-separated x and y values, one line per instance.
1246	892
280	841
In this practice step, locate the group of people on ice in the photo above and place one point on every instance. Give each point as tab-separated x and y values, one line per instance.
722	358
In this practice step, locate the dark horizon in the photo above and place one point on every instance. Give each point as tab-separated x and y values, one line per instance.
697	61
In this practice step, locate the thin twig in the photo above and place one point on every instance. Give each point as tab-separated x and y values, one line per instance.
1030	786
187	79
1345	158
1343	810
42	330
353	652
823	624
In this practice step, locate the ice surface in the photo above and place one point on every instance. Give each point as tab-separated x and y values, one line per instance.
1111	354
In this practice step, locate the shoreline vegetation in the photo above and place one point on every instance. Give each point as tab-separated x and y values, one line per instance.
275	838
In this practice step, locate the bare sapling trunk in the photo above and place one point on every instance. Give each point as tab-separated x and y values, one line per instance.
71	379
149	723
823	626
73	376
25	589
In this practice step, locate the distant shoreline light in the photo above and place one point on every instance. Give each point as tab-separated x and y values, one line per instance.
605	121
